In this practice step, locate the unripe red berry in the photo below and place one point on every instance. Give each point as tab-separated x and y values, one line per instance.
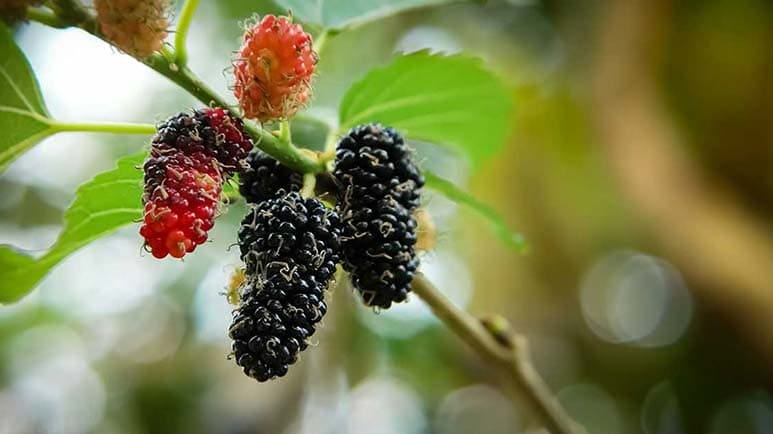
273	69
190	157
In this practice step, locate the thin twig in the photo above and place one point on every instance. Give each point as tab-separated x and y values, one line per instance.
181	32
74	14
45	16
510	356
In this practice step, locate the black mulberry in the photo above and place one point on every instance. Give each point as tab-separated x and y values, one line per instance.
264	178
290	248
378	190
373	162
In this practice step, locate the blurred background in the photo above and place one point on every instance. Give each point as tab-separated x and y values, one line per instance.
639	169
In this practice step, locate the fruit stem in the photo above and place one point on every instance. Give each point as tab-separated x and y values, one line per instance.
285	135
503	348
287	154
45	16
320	41
181	33
107	127
309	184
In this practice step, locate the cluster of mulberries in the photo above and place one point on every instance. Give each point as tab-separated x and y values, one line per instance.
263	178
190	157
137	27
289	245
378	191
273	69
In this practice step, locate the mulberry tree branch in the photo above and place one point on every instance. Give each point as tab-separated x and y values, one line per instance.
167	63
46	17
506	350
184	23
102	127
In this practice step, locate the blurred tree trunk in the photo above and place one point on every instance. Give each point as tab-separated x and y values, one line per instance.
710	236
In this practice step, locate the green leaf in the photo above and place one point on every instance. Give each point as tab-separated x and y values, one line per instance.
337	14
447	100
23	116
498	225
111	200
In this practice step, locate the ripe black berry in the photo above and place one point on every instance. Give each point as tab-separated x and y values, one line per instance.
373	162
290	248
264	178
378	190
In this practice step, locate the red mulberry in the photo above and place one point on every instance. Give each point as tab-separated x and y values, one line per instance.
189	158
273	69
181	197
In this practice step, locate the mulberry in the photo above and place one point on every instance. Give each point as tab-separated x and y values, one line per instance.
290	248
264	178
190	157
373	162
273	69
137	27
378	190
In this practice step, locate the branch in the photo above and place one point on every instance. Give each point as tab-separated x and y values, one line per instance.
495	342
166	63
102	127
46	16
186	16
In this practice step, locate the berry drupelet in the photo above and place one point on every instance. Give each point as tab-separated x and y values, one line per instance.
290	247
378	189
